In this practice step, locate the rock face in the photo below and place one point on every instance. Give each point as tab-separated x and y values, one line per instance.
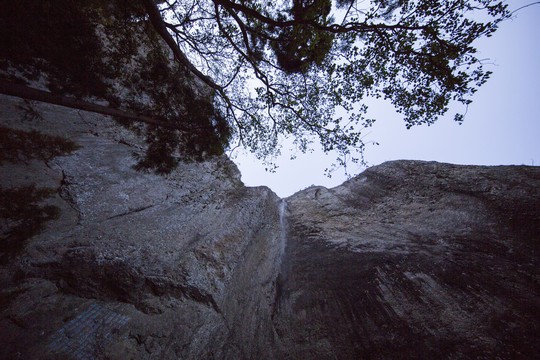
407	260
413	260
190	258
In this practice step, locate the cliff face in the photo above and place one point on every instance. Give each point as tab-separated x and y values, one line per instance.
409	259
414	260
187	257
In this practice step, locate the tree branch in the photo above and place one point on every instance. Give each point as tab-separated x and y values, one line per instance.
161	29
334	28
25	92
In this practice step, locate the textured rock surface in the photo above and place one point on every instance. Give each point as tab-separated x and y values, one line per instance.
186	256
407	260
414	260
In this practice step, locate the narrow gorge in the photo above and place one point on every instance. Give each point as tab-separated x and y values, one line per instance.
127	233
409	259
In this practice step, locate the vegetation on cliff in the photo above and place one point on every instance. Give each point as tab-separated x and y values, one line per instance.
100	50
22	210
255	71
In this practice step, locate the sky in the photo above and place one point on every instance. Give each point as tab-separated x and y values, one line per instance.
501	127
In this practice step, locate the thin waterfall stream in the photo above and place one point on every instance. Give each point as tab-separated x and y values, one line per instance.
282	243
283	231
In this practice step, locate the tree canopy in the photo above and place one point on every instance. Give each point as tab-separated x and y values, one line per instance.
301	68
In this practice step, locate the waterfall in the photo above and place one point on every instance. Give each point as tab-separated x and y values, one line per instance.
280	271
283	231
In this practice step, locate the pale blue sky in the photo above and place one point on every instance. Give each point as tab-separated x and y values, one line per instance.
502	125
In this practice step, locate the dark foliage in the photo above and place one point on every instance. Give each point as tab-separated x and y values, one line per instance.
59	39
19	145
301	46
22	216
201	130
209	130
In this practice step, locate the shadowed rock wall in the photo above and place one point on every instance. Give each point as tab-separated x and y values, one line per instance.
413	260
190	258
407	260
